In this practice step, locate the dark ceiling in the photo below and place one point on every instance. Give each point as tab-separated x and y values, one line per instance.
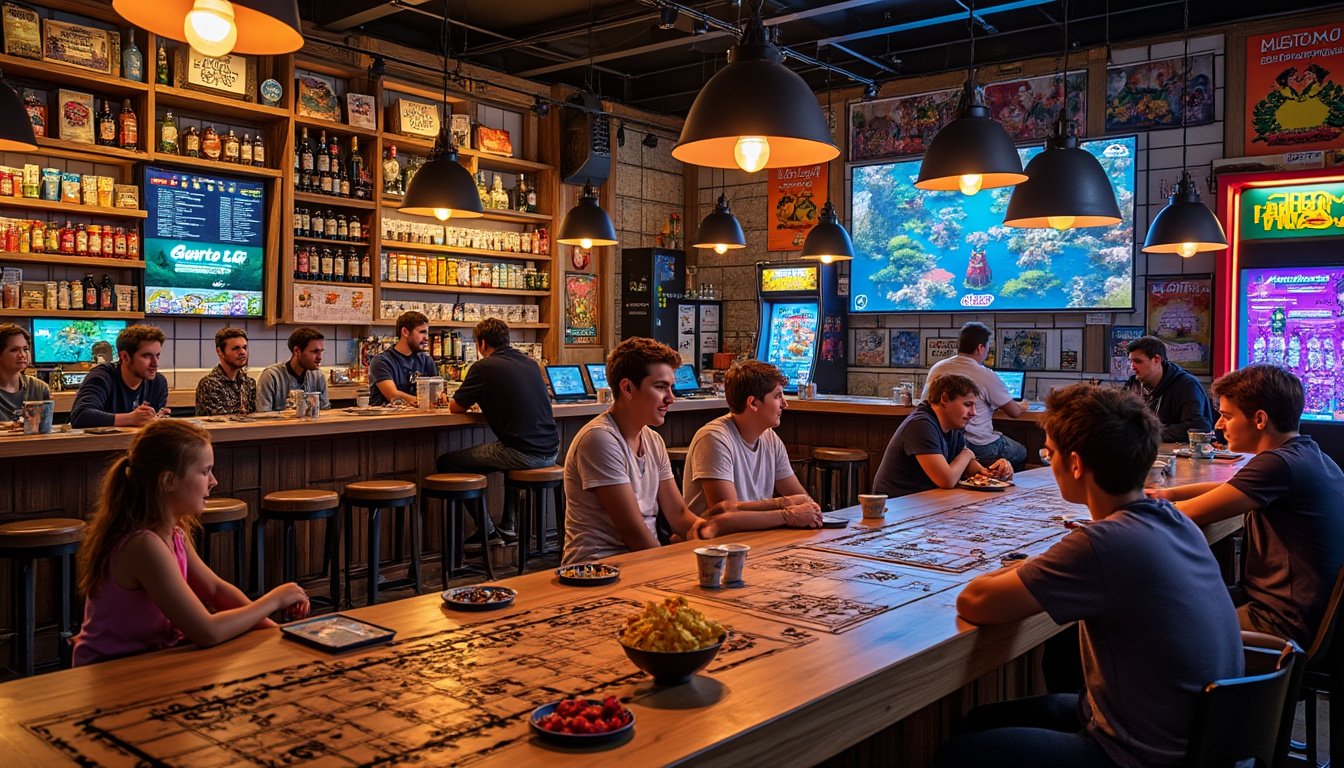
617	48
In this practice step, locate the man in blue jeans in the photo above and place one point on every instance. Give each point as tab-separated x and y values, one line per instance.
1156	623
508	386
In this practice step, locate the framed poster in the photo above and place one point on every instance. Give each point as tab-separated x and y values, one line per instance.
316	97
1294	91
937	348
1070	349
904	349
869	347
1180	313
709	318
581	299
1027	108
229	75
901	126
686	332
77	46
1148	94
332	303
1022	349
794	197
1119	340
360	111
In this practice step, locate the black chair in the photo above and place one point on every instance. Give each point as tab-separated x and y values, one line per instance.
1324	671
1247	720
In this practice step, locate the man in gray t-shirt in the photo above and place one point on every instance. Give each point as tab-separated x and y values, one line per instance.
15	385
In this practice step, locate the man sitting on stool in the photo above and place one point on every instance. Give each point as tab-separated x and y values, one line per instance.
302	371
393	371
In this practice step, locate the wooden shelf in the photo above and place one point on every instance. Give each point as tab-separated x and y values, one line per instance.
337	202
71	209
340	129
66	259
332	282
215	166
393	245
78	314
459	289
504	162
461	324
516	217
71	150
217	106
418	143
61	74
329	241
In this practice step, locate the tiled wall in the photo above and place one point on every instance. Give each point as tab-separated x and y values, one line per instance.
190	350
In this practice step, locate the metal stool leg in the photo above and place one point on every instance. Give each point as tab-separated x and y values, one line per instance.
64	633
559	496
258	557
524	522
291	550
375	550
827	503
483	514
417	525
25	623
332	551
348	517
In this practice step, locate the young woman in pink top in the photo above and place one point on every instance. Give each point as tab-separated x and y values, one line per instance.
145	586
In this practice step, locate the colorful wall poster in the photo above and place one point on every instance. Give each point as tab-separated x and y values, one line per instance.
1120	337
581	312
1022	349
1295	90
1294	317
791	338
1148	94
870	347
904	346
921	251
332	303
833	339
1070	349
686	332
794	197
938	348
901	126
1027	108
1180	313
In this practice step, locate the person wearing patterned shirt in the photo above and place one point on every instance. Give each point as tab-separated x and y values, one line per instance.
227	390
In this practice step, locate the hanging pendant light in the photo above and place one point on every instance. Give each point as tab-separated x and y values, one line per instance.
1185	226
587	225
973	152
755	113
828	241
720	230
218	27
16	128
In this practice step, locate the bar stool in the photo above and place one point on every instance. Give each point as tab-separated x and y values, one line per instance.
455	488
375	496
532	485
223	515
298	506
23	542
848	465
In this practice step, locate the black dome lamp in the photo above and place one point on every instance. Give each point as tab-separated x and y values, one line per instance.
972	152
587	225
755	113
16	127
828	242
720	230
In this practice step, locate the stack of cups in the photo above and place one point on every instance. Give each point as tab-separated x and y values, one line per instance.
721	565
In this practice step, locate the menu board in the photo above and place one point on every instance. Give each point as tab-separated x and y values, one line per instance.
203	246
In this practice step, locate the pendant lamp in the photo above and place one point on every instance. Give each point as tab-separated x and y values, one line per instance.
720	230
755	113
16	128
828	241
217	27
586	225
1185	226
973	152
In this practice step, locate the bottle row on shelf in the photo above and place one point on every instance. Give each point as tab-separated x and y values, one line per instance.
79	124
94	240
326	225
68	295
33	182
208	144
428	269
335	265
536	241
465	312
320	169
521	198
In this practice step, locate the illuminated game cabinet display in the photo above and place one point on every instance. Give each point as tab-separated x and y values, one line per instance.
1280	284
802	327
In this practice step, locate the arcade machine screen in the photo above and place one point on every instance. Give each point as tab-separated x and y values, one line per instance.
792	337
1294	317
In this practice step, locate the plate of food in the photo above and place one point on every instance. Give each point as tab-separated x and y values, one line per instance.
984	483
588	574
479	598
583	722
671	640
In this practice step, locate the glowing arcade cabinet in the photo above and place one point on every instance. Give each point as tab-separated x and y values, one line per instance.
802	327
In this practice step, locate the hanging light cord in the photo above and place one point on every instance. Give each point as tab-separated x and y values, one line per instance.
1064	69
1185	83
970	25
445	44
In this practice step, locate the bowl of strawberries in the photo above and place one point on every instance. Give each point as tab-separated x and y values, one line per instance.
578	722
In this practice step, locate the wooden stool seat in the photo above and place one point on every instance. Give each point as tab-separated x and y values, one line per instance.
223	510
379	490
302	500
677	453
552	474
454	481
839	454
43	532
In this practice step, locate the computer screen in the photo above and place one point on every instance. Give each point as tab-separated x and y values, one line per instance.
686	380
597	373
566	380
1013	380
71	340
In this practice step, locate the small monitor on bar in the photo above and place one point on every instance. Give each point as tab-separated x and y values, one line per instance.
566	383
71	340
687	382
597	374
1014	381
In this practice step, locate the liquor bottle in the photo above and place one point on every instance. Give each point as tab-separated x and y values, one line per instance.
356	170
258	152
531	198
355	229
90	292
324	174
327	263
412	168
107	294
338	266
301	263
323	157
211	147
66	243
330	221
106	126
298	222
367	269
161	69
306	162
168	134
245	150
342	227
343	186
132	60
481	190
319	225
333	150
232	147
391	171
95	240
128	127
81	240
191	142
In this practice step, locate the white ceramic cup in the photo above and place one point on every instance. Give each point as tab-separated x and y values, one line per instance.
873	504
736	563
711	562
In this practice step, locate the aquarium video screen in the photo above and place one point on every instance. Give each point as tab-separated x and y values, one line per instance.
1294	317
920	251
59	340
791	339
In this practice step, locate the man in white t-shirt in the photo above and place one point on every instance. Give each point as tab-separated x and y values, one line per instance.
738	456
618	477
988	445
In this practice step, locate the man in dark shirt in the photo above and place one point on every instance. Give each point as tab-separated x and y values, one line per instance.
929	449
129	392
508	386
392	373
1171	392
1289	492
1156	623
227	390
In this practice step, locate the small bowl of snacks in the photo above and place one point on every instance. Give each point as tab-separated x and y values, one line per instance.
671	640
478	598
588	574
582	722
984	482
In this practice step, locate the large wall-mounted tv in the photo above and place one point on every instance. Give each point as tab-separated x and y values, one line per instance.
918	251
71	340
204	244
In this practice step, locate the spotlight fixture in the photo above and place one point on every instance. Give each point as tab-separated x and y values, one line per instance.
650	140
870	91
16	128
217	27
667	17
586	225
720	230
541	107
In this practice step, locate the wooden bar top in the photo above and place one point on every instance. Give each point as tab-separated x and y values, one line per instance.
830	643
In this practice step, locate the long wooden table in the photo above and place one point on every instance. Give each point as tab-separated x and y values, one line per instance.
796	687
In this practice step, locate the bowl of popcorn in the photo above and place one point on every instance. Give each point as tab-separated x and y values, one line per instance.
671	640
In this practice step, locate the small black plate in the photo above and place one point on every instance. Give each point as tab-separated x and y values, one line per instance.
491	598
588	574
828	521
